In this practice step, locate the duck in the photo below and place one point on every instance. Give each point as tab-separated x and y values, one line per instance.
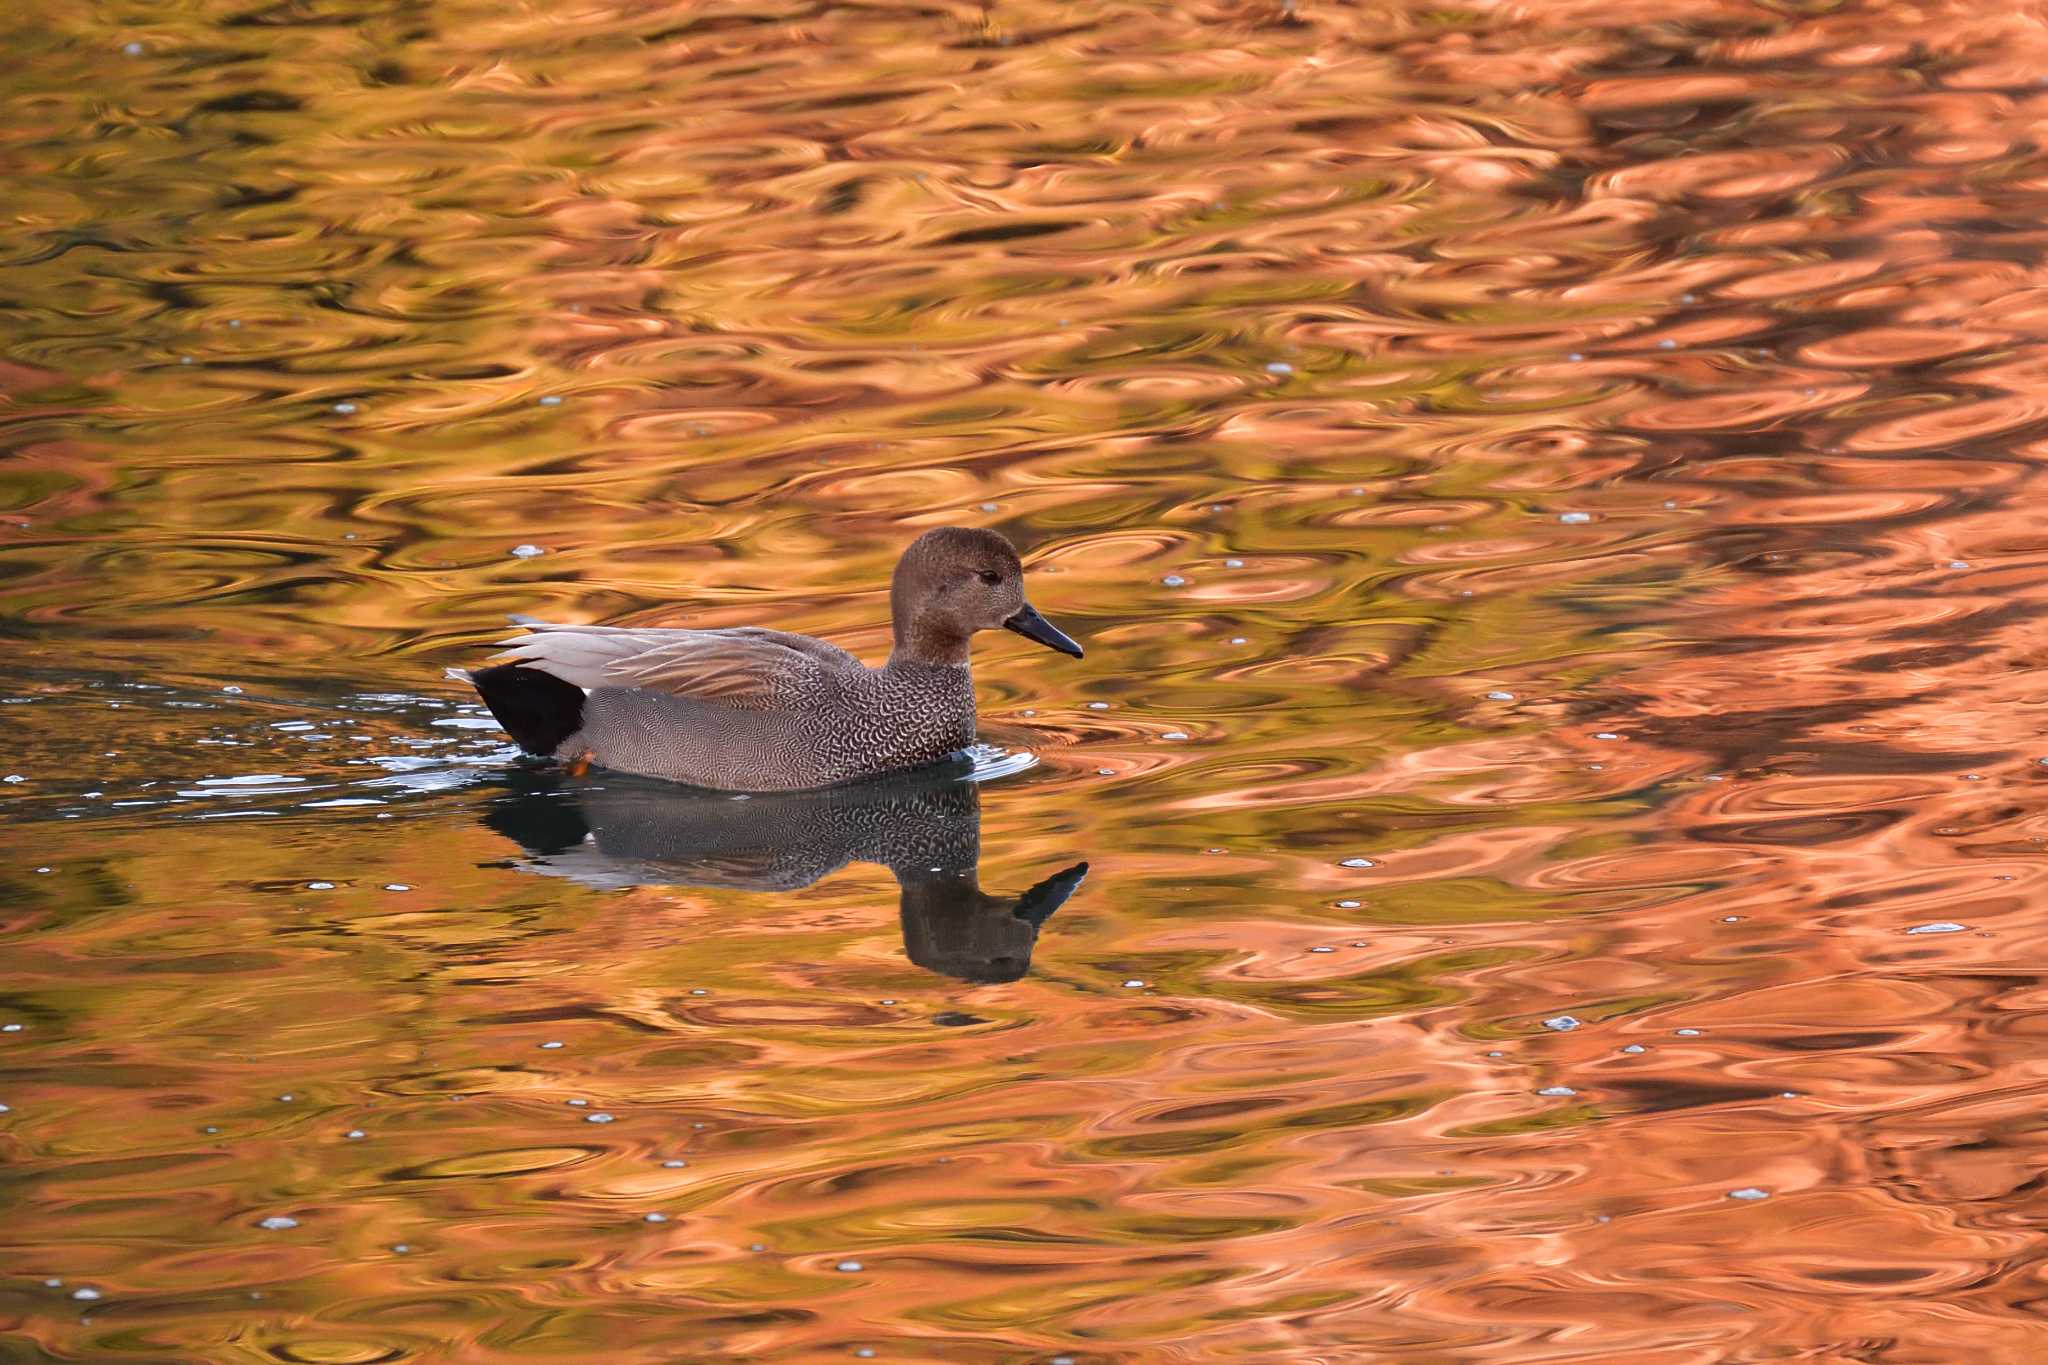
746	709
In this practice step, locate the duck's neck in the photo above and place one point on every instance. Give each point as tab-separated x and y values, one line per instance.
923	639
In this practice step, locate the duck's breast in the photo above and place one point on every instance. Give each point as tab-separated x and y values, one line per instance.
900	716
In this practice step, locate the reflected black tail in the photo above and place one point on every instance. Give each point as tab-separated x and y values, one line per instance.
538	709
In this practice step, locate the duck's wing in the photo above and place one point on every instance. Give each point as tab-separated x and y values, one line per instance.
747	667
824	651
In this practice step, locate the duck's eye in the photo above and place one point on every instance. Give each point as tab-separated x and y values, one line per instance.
990	577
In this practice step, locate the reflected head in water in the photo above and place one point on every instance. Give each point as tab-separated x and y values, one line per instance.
925	827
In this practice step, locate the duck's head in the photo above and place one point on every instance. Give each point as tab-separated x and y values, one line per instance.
955	581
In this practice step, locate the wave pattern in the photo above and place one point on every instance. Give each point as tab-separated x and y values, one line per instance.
1550	493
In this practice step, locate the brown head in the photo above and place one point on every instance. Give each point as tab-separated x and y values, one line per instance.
955	581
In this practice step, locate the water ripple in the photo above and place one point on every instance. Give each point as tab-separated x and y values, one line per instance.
1548	494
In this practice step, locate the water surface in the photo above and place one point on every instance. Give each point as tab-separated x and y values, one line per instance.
1551	494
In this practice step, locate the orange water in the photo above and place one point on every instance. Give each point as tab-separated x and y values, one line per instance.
1584	460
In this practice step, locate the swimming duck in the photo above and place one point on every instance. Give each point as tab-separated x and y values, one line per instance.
747	709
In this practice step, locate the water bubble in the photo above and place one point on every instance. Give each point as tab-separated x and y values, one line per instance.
552	400
849	1267
133	49
1175	734
1104	706
1666	344
1576	355
396	886
1500	696
1749	1192
353	1133
53	1284
597	1118
1349	905
209	1128
277	1222
1633	1048
866	1352
1686	1032
401	1247
579	1104
85	1293
1239	640
1173	580
674	1165
319	886
1133	984
1938	927
699	990
345	408
1233	563
1605	734
286	1098
654	1218
551	1043
1563	1023
1357	862
232	690
989	507
1555	1091
1322	950
1575	518
10	1028
526	551
1105	772
1279	367
1958	564
13	778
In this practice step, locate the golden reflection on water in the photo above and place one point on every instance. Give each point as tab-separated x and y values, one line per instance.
1550	494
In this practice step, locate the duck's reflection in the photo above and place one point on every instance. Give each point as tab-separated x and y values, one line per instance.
620	831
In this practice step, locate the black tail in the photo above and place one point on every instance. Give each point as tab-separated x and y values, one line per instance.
538	709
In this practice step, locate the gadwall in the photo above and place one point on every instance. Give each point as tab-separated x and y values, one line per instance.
757	710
